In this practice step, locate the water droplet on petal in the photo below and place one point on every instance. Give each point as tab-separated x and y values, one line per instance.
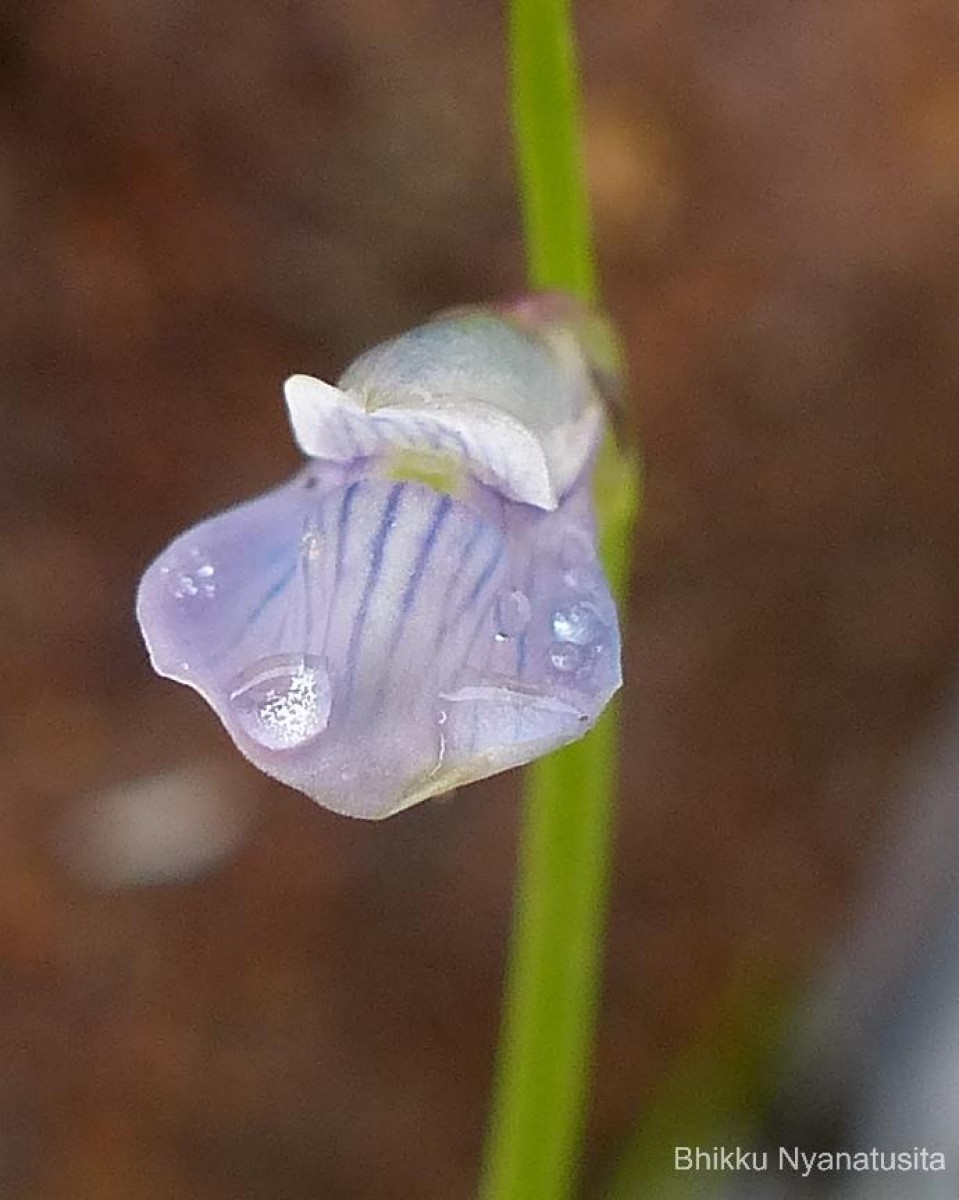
576	550
580	624
311	545
186	586
283	702
512	615
565	657
197	583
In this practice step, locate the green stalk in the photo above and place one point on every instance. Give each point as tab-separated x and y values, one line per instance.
541	1092
546	132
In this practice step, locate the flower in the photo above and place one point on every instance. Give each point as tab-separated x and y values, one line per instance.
422	605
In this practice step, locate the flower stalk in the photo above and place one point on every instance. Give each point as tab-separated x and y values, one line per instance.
553	974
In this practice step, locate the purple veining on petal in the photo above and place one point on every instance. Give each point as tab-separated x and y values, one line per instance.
373	641
354	644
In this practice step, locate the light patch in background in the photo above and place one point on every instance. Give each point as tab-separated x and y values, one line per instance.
173	827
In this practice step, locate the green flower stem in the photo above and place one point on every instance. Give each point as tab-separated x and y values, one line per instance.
539	1106
546	130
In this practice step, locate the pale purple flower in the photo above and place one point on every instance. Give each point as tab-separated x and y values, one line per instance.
422	605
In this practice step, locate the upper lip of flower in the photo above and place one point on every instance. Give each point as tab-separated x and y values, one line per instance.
330	424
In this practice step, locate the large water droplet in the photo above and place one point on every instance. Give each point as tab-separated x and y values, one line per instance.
580	624
284	701
513	611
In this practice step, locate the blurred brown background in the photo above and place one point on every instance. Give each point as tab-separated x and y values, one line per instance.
211	989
